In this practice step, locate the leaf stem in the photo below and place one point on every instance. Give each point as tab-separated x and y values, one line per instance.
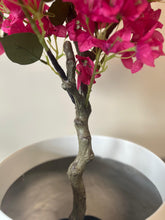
93	75
34	26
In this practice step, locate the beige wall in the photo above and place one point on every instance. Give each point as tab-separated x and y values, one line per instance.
33	106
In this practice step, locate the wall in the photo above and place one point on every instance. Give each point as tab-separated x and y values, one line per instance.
33	107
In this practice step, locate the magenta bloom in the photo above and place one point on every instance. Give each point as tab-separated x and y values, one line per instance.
148	41
100	13
14	23
106	11
49	28
85	69
132	9
138	41
146	53
16	16
98	10
1	49
84	6
118	42
15	10
78	31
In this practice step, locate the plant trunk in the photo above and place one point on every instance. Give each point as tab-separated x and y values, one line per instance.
85	153
76	169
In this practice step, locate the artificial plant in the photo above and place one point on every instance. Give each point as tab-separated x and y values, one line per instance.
100	30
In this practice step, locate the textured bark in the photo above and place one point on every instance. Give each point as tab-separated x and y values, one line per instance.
85	153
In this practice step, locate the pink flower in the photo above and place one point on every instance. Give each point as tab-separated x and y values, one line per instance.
49	28
107	11
1	49
59	31
132	9
148	41
16	16
146	53
85	41
73	29
145	25
78	31
119	41
85	69
96	14
15	10
98	10
14	23
84	6
128	62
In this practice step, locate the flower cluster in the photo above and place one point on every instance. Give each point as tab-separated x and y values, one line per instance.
126	28
138	41
13	20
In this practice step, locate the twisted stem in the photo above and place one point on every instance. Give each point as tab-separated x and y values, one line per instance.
85	153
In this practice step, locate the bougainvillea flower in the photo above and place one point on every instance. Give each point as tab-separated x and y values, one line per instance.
59	31
85	69
49	28
84	6
132	9
79	25
110	11
156	43
14	8
145	25
148	41
1	49
15	14
78	31
119	41
15	19
129	62
73	30
138	41
14	23
107	11
146	53
97	10
85	41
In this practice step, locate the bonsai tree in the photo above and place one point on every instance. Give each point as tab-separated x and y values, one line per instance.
100	30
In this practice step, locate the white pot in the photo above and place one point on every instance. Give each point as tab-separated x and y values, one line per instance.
123	151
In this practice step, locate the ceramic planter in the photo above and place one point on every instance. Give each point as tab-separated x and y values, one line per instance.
119	150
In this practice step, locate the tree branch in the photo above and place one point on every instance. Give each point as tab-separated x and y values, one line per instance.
85	153
56	65
70	62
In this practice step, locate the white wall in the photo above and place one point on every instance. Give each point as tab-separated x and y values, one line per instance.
33	106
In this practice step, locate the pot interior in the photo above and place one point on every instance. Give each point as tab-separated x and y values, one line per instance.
114	191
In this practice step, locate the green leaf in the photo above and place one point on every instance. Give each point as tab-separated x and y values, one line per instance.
60	11
22	48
